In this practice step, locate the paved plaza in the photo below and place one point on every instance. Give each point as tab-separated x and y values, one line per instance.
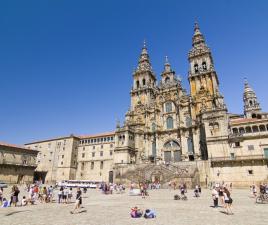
100	209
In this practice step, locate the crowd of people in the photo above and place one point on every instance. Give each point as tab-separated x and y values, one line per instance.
138	213
263	189
112	188
38	193
222	194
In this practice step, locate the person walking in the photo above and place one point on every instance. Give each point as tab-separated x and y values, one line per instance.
78	201
60	195
221	196
142	189
70	195
228	201
15	197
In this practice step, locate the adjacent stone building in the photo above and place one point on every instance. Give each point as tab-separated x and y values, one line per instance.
57	158
17	164
169	134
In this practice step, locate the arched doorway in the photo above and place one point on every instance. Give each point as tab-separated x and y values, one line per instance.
172	151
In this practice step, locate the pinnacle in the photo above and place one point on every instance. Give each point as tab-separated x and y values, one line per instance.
144	60
196	28
167	67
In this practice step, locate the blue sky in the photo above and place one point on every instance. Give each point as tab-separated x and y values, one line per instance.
66	66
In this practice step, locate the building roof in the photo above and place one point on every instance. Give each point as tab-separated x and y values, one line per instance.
97	135
4	144
52	139
73	136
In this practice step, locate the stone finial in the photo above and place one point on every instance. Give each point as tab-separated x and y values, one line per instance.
167	67
117	123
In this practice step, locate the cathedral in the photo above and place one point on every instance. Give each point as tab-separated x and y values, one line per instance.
169	134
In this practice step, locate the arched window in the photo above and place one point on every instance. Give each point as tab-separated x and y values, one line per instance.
169	122
255	129
254	115
168	107
137	84
259	116
262	128
167	80
267	126
210	125
196	68
143	82
204	66
241	130
250	103
248	130
235	131
216	125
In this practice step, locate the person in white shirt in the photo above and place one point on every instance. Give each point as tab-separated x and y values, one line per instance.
24	202
227	200
70	195
215	196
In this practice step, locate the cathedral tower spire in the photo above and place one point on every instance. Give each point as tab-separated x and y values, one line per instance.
203	78
144	64
251	104
144	80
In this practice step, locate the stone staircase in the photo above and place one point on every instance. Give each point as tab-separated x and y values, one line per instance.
179	172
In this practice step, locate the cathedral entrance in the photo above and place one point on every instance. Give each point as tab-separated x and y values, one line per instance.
172	152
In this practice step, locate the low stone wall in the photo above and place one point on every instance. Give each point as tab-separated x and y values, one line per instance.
14	174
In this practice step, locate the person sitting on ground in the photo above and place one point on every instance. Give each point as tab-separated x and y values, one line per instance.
177	197
149	213
24	201
5	203
136	212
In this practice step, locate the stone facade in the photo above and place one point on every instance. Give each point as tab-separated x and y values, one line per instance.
17	164
169	134
57	158
95	157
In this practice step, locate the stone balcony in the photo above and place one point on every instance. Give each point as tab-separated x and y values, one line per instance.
220	161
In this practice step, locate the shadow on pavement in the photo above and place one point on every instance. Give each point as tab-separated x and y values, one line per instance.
10	214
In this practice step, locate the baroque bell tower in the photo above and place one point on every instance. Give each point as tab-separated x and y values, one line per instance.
251	104
203	79
144	81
